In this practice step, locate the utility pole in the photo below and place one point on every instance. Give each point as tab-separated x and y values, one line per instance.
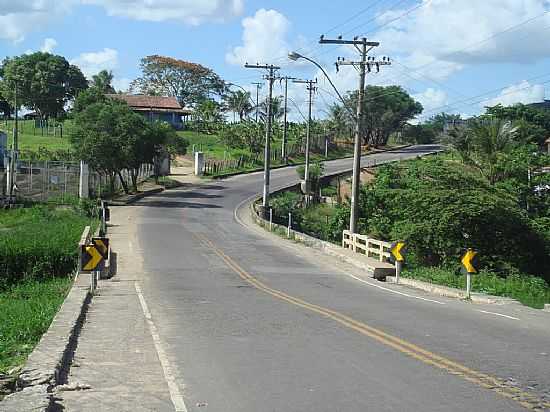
365	64
270	77
311	89
284	154
13	155
258	87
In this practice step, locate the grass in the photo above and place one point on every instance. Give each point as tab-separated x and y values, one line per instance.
38	252
26	312
31	139
529	290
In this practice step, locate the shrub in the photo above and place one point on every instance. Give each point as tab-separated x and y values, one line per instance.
285	203
38	242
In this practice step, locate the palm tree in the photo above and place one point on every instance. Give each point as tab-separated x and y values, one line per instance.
277	108
339	118
239	102
483	143
103	81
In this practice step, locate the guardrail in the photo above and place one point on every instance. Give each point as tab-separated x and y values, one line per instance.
367	246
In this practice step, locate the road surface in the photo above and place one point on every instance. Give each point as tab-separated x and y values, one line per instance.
243	321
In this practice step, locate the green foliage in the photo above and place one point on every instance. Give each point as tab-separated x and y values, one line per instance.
39	242
329	191
45	82
529	290
387	109
166	76
239	102
26	311
419	134
285	203
533	124
244	135
440	208
316	170
102	81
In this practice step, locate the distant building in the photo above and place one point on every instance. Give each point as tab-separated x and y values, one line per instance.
156	108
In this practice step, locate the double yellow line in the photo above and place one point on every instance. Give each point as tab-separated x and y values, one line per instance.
527	400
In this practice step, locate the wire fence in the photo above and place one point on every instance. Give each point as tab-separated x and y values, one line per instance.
42	181
318	144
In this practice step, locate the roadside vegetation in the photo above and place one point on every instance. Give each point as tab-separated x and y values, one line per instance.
489	192
38	249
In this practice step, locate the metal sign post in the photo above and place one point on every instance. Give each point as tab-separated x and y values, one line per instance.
398	252
469	266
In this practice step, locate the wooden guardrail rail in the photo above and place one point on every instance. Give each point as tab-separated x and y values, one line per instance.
367	246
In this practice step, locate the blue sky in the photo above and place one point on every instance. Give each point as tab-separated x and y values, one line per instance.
446	52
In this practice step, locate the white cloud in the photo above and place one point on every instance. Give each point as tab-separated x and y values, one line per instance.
523	92
121	84
189	11
264	38
93	62
432	100
445	35
19	17
48	45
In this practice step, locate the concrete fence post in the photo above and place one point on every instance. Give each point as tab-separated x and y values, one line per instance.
83	188
270	219
289	224
199	163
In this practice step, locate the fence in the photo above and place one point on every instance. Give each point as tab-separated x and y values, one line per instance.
317	145
47	180
366	246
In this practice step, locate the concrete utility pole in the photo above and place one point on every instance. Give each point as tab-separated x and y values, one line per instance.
284	154
364	65
311	89
258	87
13	156
267	154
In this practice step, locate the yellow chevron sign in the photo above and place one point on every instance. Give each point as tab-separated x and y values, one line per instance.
469	262
102	245
398	251
91	258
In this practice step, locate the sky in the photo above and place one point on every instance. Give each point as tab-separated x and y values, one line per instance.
455	56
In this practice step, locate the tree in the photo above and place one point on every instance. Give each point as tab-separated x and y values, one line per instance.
45	82
533	123
103	80
277	109
339	120
5	107
386	109
239	102
210	114
484	145
190	82
419	134
105	135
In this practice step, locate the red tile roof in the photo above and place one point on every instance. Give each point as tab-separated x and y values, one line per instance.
148	102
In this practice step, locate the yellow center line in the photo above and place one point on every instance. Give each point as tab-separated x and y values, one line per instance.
528	400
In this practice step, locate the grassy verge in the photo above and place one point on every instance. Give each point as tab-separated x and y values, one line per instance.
529	290
38	252
32	139
26	311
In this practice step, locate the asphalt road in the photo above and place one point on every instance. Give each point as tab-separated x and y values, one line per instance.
249	322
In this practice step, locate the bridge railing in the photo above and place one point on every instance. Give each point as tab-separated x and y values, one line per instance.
367	246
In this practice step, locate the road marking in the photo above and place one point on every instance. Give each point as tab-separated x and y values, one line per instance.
498	314
393	291
175	393
239	220
527	400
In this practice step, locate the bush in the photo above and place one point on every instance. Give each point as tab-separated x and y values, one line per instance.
285	203
329	191
39	242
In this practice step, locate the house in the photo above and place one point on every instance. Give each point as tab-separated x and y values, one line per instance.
153	108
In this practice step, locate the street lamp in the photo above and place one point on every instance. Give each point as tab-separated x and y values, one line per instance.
294	56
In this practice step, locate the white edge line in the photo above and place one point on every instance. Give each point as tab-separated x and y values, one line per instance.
238	219
175	394
394	291
498	314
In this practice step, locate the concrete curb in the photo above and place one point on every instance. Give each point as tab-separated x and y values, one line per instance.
46	366
453	292
134	198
